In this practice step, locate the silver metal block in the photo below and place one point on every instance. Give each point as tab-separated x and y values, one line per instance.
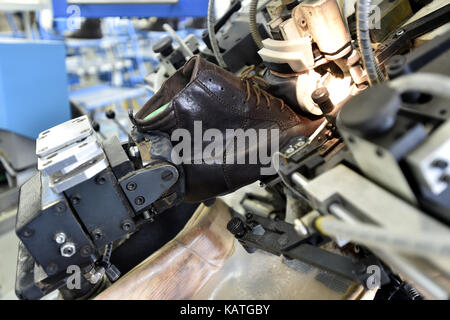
70	157
430	162
64	182
62	136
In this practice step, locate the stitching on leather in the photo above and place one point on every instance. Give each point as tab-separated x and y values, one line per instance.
250	115
226	175
218	98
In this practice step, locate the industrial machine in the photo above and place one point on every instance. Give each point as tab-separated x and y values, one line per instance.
373	179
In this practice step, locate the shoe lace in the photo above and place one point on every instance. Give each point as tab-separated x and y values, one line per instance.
254	83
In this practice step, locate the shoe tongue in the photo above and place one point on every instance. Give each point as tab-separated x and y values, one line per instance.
194	66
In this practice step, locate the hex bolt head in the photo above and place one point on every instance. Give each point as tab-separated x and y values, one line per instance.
68	250
60	237
131	186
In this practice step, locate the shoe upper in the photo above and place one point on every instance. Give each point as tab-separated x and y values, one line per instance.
202	91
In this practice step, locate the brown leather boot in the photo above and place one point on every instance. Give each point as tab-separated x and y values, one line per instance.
202	91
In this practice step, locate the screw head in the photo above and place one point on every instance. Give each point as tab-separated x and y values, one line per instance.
85	251
283	240
445	178
440	164
68	250
100	180
75	200
126	225
60	207
131	186
98	234
51	269
60	237
320	95
400	32
139	201
28	233
236	227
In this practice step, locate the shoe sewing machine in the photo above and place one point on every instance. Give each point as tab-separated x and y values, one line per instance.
360	97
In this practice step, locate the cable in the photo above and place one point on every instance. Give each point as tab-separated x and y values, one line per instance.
212	35
253	25
362	31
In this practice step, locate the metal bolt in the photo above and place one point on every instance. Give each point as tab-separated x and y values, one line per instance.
98	234
300	228
283	240
28	233
68	250
395	65
440	164
290	150
85	251
236	227
75	200
51	269
167	175
131	186
445	178
146	215
139	201
100	180
400	32
60	207
321	97
126	225
134	152
60	237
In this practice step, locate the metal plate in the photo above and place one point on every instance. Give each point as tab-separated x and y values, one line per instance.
63	135
147	185
70	157
85	172
435	148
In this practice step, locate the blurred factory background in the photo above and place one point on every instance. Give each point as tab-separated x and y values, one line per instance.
63	58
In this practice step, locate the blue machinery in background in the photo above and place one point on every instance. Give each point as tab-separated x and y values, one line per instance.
184	8
33	86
